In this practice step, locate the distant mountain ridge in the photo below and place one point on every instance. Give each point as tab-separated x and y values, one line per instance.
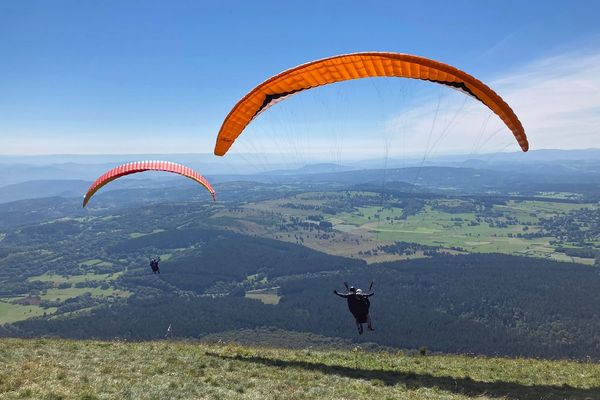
54	159
452	177
68	188
42	188
26	177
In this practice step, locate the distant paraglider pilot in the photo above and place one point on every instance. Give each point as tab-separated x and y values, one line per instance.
169	333
359	304
154	265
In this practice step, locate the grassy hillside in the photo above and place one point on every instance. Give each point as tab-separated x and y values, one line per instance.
66	369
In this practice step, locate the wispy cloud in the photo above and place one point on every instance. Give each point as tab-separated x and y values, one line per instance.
501	44
557	99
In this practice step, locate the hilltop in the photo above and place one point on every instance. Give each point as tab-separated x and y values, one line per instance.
68	369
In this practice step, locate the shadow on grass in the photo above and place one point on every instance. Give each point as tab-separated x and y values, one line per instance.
464	386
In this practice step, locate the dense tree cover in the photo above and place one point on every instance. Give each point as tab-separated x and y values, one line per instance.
34	211
477	303
409	248
148	318
234	257
228	257
491	304
579	226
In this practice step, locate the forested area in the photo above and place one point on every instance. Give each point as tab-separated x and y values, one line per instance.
85	274
489	304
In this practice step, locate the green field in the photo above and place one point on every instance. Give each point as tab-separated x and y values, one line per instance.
11	312
166	256
67	369
135	235
16	312
73	279
56	294
482	230
436	228
267	296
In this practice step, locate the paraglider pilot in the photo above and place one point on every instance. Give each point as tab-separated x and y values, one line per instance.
358	303
154	265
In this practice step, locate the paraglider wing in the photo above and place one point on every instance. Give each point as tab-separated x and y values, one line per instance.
355	66
141	166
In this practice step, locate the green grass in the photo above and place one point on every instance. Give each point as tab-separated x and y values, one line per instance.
15	312
10	312
436	228
57	294
371	226
73	279
267	296
66	369
136	235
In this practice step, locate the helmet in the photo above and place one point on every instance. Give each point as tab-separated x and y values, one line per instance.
359	292
352	289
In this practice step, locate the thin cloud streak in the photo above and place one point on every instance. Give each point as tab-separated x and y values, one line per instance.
557	99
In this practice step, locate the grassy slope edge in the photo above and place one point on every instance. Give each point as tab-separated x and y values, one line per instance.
68	369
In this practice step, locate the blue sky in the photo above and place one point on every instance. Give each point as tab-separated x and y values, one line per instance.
160	76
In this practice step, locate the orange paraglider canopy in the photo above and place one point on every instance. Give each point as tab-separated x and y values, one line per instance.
141	166
355	66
